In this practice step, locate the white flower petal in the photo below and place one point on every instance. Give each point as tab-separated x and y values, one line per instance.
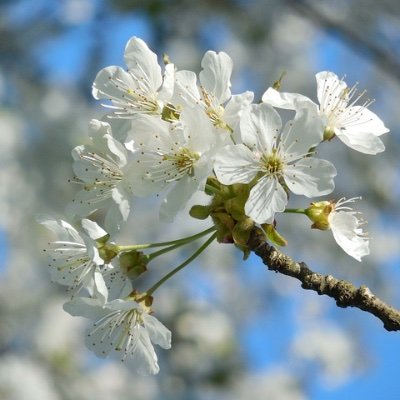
177	197
97	130
85	307
200	133
100	289
303	133
235	164
92	229
143	355
86	202
117	283
64	230
329	88
186	91
167	88
310	177
234	109
123	305
366	143
117	149
142	63
360	120
216	74
111	83
260	126
266	198
158	333
121	198
150	132
348	235
289	101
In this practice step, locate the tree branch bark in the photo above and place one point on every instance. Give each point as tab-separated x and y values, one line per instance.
345	293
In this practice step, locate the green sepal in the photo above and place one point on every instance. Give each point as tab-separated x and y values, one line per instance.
212	182
319	212
200	212
133	263
108	251
241	231
273	235
245	250
170	113
103	240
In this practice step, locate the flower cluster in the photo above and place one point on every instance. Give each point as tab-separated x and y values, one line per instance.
171	134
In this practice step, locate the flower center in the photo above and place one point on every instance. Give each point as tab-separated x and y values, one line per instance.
214	110
183	161
142	101
271	164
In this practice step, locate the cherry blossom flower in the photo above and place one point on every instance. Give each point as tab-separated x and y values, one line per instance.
274	159
123	327
103	169
345	224
214	94
74	260
355	125
141	89
176	158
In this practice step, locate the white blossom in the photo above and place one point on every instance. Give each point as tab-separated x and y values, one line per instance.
141	89
123	327
176	158
346	227
355	125
103	169
74	259
273	158
214	94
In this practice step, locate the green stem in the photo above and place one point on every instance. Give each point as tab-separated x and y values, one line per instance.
152	256
179	242
183	265
295	210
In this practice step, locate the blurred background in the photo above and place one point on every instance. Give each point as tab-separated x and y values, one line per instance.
239	331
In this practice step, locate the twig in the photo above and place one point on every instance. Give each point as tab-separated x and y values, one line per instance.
345	293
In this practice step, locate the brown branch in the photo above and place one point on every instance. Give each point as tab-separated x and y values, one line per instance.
345	293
